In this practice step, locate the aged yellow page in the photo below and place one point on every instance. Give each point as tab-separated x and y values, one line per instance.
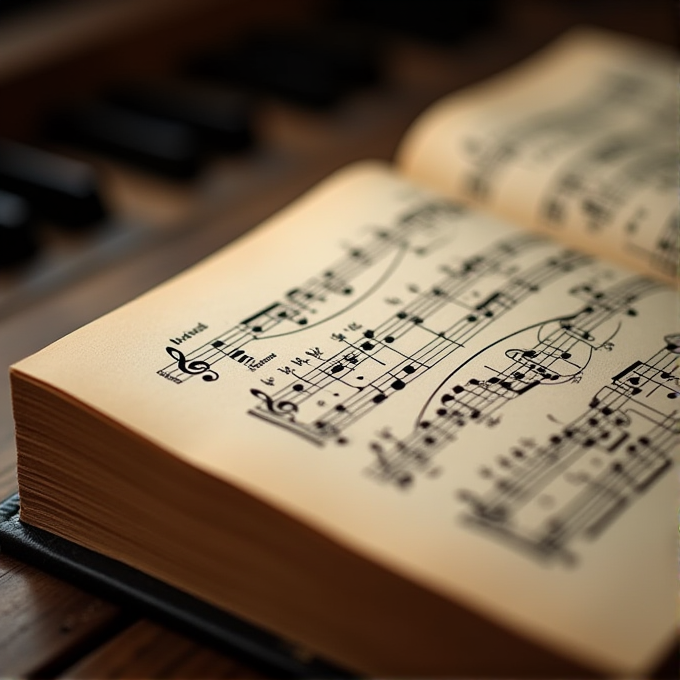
465	403
579	142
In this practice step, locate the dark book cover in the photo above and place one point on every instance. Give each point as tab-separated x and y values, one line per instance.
149	597
171	607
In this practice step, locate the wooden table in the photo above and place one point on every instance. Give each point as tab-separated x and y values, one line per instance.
52	629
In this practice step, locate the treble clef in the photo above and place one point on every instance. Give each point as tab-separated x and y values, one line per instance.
201	368
281	408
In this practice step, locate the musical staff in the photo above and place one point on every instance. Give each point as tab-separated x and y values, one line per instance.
543	498
612	181
611	175
604	161
665	251
341	286
554	352
374	363
553	132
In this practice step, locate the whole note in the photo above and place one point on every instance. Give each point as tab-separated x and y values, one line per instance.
201	368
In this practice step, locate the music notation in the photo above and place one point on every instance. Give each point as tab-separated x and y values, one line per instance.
665	249
338	288
601	181
543	498
371	362
552	353
613	180
606	160
556	131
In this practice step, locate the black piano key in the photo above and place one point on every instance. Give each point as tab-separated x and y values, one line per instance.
9	7
222	119
61	189
302	69
289	76
433	20
18	239
162	146
353	55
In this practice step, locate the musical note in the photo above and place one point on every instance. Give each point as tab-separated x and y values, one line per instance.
662	253
389	355
555	353
329	293
590	471
603	160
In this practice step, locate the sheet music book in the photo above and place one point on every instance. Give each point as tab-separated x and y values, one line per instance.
427	410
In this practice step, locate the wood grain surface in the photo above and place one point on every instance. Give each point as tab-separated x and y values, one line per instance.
51	629
46	623
146	650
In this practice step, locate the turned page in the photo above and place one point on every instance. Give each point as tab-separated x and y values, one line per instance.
463	402
578	142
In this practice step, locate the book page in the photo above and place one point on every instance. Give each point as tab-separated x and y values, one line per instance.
578	142
465	403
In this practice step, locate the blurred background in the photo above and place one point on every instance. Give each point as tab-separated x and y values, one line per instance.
176	111
138	136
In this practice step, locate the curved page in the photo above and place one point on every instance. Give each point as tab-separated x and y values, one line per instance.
578	142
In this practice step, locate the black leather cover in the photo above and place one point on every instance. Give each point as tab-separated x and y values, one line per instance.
154	599
169	606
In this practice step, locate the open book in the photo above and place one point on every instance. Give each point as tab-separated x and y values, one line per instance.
396	423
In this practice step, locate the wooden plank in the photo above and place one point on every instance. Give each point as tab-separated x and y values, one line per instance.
47	623
146	650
